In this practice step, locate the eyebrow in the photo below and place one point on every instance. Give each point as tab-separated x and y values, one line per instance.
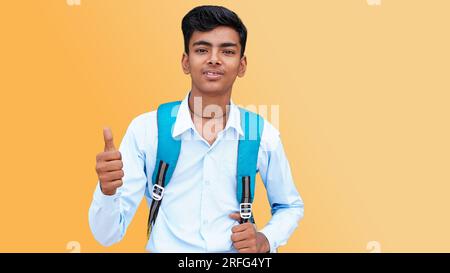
203	42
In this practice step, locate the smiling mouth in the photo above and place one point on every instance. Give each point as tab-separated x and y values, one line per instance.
212	75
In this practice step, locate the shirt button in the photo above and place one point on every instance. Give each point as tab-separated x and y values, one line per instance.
207	182
205	222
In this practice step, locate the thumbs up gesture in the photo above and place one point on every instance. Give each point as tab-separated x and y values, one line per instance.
109	166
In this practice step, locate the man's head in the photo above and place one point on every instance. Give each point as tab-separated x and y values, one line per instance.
214	45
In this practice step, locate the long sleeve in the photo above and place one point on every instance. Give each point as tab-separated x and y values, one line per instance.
287	206
109	216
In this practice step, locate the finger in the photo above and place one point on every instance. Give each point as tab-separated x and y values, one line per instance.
109	166
116	183
242	227
246	250
112	184
109	156
108	138
110	187
115	175
235	216
243	244
239	236
111	176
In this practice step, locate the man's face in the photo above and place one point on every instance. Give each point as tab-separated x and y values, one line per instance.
214	60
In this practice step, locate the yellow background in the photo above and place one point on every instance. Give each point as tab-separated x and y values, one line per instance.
363	93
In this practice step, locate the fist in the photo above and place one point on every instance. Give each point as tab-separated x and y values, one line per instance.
109	165
246	239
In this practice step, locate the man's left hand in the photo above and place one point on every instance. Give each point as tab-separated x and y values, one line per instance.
246	239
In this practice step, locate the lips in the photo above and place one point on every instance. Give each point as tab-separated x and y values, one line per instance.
213	74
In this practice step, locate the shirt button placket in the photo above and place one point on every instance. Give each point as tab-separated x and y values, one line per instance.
205	198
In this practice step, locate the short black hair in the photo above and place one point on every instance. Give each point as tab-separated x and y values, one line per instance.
206	18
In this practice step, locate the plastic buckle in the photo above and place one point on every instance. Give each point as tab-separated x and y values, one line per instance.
157	192
245	210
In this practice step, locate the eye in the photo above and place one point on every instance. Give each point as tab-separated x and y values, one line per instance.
231	52
200	50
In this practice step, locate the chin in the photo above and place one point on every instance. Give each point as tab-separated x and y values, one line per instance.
212	88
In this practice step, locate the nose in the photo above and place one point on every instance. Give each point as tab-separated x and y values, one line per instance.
214	60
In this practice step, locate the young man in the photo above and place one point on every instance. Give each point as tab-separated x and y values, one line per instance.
199	209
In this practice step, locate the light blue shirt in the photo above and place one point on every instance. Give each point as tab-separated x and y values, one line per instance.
194	213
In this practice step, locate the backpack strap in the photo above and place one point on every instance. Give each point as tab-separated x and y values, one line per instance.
166	157
252	125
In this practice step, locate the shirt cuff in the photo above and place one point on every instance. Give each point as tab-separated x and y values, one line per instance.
104	200
266	231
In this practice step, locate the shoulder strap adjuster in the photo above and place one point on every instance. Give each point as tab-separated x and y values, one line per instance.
245	209
157	192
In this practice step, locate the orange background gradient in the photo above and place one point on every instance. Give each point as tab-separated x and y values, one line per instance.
363	95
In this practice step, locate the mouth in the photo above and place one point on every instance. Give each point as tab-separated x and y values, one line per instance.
213	74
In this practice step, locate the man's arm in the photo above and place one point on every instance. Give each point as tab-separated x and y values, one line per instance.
285	201
114	204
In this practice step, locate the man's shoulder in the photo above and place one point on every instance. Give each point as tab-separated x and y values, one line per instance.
144	125
270	138
144	119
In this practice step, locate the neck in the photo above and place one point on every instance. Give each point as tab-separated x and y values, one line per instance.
209	105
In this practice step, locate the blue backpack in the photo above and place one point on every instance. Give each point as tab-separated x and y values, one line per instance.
169	150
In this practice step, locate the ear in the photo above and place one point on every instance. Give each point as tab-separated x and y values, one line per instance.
242	67
185	63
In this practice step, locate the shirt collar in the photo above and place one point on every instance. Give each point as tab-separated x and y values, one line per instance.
184	121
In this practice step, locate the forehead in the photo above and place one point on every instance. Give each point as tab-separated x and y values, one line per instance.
218	35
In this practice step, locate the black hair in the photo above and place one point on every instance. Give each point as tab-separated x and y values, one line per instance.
206	18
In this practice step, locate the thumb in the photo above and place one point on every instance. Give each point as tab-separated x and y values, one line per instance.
236	216
109	142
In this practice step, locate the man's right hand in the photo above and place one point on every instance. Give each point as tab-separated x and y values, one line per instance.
109	166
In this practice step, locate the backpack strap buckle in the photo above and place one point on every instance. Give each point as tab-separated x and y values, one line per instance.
245	209
157	192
